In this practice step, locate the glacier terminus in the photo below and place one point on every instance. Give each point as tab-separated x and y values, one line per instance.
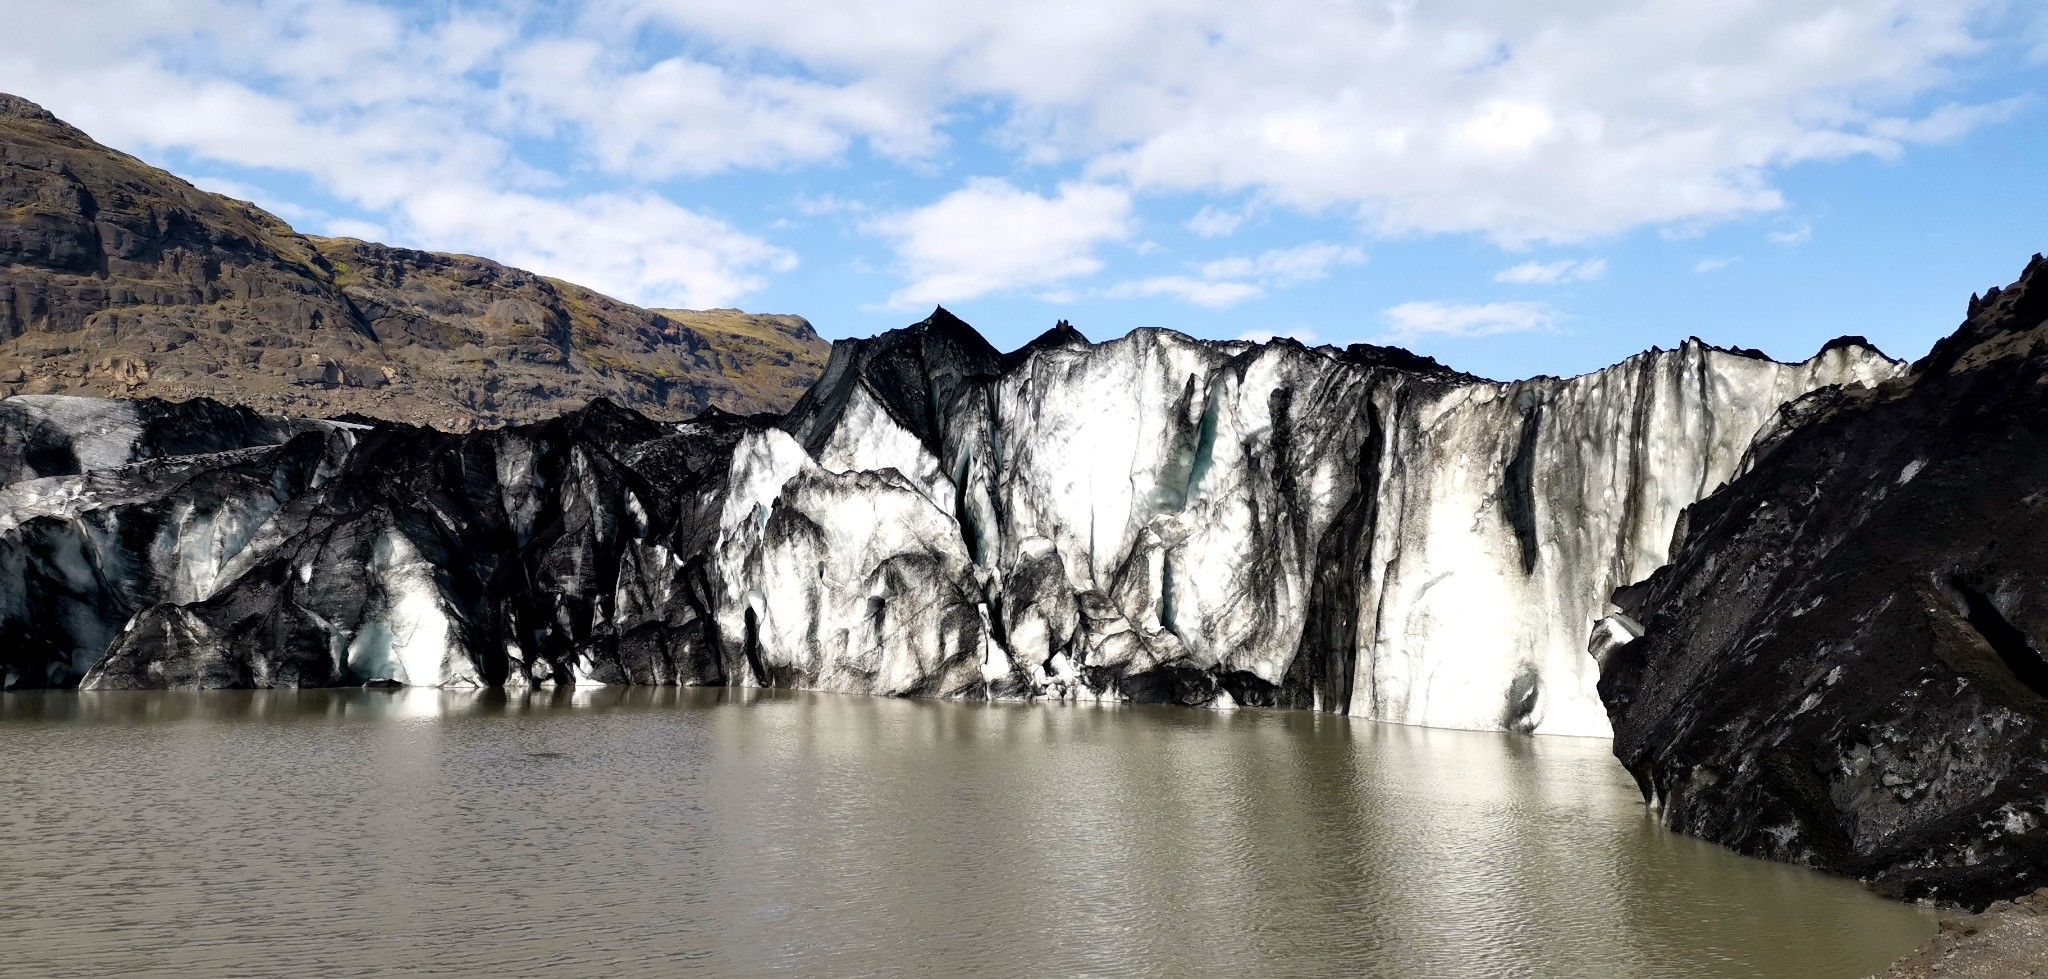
1154	518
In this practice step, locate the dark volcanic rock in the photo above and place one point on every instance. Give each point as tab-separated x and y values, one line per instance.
1842	666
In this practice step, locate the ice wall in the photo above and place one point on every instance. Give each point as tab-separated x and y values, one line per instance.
1160	518
1154	518
1509	513
81	554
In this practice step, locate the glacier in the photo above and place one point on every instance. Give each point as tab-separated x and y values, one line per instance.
1153	518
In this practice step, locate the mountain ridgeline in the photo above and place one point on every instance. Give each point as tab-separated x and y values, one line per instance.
118	279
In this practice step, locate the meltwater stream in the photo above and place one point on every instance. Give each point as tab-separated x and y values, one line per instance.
664	831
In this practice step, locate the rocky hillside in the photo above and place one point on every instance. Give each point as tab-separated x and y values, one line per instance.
119	279
1842	666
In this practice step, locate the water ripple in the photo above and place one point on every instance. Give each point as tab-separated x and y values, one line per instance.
650	832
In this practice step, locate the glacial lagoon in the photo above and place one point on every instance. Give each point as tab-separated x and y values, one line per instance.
665	831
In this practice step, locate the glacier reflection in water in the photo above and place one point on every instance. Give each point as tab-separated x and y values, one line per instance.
663	831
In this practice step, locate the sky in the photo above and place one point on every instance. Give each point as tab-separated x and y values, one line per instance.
1514	188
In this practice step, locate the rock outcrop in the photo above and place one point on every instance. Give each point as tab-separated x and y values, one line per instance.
1842	665
118	279
1153	518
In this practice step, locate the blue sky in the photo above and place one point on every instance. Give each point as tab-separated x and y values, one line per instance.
1513	188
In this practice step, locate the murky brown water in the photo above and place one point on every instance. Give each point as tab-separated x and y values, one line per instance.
660	832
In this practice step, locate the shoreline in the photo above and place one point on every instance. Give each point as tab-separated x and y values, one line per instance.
2009	940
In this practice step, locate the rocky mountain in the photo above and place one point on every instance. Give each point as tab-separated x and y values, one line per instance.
1842	665
118	279
1152	518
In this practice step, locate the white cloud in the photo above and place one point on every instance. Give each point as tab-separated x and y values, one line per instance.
991	236
1939	126
1683	231
1215	222
1201	292
1713	264
381	109
1286	266
643	245
1226	282
1517	121
681	116
349	228
1523	122
1793	236
1414	320
227	187
823	205
1553	273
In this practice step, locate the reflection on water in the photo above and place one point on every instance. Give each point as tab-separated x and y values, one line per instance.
662	831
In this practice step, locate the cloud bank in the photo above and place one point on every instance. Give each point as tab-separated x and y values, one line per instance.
507	128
